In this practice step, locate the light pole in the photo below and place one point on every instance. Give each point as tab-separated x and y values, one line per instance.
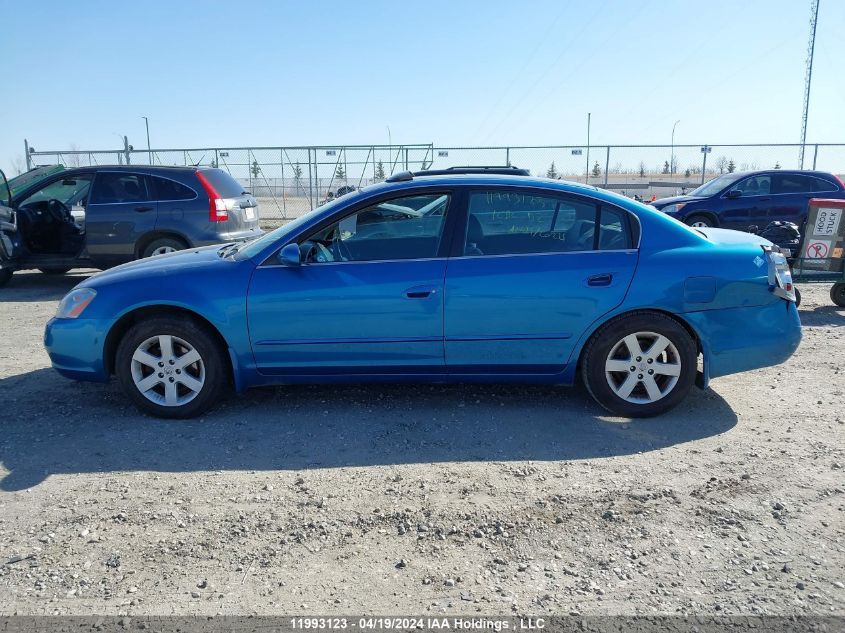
672	155
149	152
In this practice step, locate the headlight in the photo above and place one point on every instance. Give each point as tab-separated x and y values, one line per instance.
673	208
75	302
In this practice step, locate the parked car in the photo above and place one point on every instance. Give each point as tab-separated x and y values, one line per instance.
743	200
98	217
518	279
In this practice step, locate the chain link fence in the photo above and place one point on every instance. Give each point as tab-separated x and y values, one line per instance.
289	181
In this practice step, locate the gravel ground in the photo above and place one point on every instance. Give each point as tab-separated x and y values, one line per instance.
424	500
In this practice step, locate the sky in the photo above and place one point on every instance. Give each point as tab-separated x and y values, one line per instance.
454	73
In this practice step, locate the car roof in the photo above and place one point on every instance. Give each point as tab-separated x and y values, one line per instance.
803	172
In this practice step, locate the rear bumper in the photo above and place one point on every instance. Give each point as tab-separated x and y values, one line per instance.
740	339
210	238
75	347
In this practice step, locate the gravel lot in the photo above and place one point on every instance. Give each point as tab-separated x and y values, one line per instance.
423	500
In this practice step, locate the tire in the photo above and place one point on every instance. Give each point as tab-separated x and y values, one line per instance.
797	298
54	271
5	276
837	294
647	396
195	385
163	245
701	220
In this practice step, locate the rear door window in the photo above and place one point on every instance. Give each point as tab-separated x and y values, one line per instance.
120	188
166	190
516	223
794	183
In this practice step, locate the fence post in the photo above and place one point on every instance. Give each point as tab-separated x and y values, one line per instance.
310	181
26	153
606	165
126	148
507	157
704	163
815	155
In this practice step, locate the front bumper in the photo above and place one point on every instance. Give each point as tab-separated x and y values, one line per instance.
76	348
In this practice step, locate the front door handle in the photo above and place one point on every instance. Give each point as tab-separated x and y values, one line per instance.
604	279
420	292
143	209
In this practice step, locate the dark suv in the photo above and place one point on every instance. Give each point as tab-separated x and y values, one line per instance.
98	217
752	199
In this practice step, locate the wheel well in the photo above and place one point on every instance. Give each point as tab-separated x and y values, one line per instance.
709	214
671	315
149	238
131	318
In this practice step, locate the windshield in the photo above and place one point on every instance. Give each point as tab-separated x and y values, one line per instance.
716	185
253	248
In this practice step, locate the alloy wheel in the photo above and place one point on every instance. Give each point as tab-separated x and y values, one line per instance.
643	367
167	370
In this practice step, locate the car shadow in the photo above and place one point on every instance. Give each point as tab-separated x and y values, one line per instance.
31	285
822	315
56	426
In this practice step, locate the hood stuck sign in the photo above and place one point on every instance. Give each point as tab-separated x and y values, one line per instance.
824	237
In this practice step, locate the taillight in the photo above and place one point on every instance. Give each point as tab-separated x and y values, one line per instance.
217	210
780	277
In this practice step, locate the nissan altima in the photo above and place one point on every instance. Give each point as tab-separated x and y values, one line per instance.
458	275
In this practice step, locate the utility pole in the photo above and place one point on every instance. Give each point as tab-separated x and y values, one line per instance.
808	77
587	177
149	152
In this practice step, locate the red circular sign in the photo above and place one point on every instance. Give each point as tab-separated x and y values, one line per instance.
817	250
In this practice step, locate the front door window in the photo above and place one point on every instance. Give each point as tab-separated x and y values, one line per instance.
401	228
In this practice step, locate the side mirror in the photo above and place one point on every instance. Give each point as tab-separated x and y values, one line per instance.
289	255
733	194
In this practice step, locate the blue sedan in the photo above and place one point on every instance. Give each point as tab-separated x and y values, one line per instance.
472	274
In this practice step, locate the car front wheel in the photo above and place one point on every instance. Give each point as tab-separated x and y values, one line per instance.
640	365
170	367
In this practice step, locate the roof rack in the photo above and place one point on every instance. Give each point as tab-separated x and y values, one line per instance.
506	170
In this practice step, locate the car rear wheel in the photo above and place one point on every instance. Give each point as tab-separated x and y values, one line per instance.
170	367
162	246
640	365
837	294
700	220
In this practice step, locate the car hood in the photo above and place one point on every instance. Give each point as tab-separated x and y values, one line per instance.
662	202
160	266
731	237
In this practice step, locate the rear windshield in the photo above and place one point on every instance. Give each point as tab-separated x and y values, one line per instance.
223	183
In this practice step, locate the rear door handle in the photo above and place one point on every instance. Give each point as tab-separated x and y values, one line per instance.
142	209
420	292
603	279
